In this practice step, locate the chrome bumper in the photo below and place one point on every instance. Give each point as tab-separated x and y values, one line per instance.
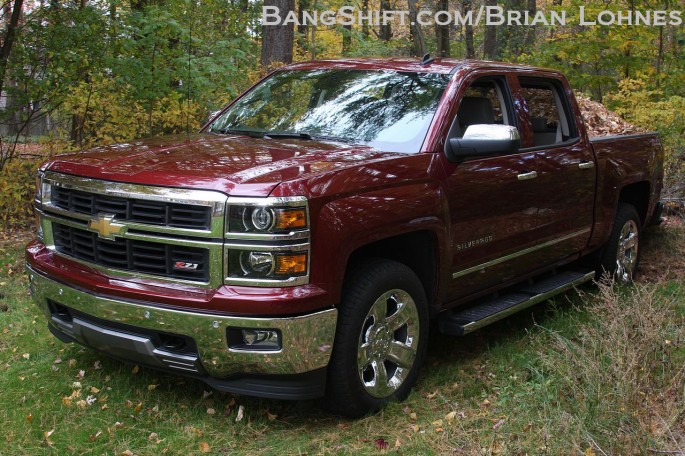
305	347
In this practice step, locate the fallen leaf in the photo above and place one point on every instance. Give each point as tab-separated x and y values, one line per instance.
57	361
138	407
81	374
128	403
76	385
205	448
94	437
94	390
29	418
398	443
104	407
153	436
499	423
152	387
437	423
439	429
485	403
450	417
412	416
127	453
271	416
206	394
241	412
90	400
527	427
97	365
381	444
118	425
211	411
81	404
589	452
26	356
135	369
343	425
415	427
72	362
47	435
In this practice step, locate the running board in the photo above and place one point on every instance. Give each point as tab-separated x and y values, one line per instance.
491	310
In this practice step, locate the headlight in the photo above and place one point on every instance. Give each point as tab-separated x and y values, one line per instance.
267	241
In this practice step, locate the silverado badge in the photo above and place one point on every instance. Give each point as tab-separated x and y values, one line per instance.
106	227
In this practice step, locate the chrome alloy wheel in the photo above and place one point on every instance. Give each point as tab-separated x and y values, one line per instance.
388	343
626	253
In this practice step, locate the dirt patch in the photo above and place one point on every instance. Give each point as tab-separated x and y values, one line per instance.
663	252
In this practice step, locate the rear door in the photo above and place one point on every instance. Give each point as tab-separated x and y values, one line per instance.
493	200
565	165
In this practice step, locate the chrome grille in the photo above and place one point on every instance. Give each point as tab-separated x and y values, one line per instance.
134	210
135	231
133	255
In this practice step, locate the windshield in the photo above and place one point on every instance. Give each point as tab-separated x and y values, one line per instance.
387	110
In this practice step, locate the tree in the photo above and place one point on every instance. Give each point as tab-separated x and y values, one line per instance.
9	37
490	37
418	47
277	40
442	32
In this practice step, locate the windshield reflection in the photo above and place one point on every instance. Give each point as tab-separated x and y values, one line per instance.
387	110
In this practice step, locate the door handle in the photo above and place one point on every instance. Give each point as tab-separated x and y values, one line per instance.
586	165
528	176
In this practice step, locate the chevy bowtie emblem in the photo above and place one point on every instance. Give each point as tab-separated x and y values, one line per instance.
106	227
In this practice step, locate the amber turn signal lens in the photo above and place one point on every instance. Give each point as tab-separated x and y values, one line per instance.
291	264
291	218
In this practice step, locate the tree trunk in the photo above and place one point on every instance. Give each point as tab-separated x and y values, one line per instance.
365	24
466	6
346	39
8	40
386	29
529	40
418	46
442	32
490	37
277	40
302	28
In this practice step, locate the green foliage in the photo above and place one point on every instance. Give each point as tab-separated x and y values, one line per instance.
17	187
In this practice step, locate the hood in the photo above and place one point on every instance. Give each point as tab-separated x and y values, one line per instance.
235	165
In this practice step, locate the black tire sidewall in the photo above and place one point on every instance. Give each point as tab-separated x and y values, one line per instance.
346	394
624	213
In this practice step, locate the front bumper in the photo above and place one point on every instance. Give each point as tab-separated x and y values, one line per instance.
136	331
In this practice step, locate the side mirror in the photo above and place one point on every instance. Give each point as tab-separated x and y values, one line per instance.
482	140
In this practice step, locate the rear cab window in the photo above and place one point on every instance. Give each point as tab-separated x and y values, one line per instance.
548	112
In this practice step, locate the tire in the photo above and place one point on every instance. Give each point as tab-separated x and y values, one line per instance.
380	340
621	254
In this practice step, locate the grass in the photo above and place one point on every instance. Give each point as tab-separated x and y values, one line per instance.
600	372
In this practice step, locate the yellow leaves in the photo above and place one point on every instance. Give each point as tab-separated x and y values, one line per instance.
29	418
205	448
271	416
152	387
589	452
138	408
94	390
26	356
135	369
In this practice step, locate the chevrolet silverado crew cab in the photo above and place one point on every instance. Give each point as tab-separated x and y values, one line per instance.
303	242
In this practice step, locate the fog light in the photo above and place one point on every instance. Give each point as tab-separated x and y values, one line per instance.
254	339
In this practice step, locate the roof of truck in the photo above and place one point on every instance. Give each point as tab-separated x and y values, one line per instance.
437	65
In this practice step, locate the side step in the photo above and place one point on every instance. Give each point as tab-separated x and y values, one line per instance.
491	310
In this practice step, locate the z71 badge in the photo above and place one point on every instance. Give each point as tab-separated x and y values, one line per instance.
185	266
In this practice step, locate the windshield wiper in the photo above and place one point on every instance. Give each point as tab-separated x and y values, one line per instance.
285	134
233	131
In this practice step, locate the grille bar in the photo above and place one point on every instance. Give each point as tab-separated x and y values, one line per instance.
133	255
133	210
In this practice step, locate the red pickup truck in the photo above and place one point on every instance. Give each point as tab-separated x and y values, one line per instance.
303	242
